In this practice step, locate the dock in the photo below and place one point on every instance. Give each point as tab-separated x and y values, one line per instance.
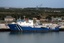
62	29
4	30
4	27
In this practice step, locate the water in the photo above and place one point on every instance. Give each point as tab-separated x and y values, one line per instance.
19	37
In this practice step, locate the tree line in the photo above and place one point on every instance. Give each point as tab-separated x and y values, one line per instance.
30	12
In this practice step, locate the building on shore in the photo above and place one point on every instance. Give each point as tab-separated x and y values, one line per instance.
9	19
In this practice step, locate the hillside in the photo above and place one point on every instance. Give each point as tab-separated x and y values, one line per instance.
31	12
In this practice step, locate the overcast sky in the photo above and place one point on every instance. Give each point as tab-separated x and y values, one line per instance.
32	3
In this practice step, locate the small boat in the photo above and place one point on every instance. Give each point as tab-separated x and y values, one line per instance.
31	25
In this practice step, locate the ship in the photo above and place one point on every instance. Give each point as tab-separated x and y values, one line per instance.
32	25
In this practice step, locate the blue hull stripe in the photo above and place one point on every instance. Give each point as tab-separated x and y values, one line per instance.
17	27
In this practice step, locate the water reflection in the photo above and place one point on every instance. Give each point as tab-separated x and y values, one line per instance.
19	33
32	37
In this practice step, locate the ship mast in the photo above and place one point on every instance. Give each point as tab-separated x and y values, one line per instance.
24	17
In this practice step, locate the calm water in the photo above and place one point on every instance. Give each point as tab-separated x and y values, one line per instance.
19	37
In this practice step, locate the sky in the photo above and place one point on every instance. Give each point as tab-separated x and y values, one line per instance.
32	3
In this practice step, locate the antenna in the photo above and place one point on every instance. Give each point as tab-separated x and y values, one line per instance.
39	6
24	17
